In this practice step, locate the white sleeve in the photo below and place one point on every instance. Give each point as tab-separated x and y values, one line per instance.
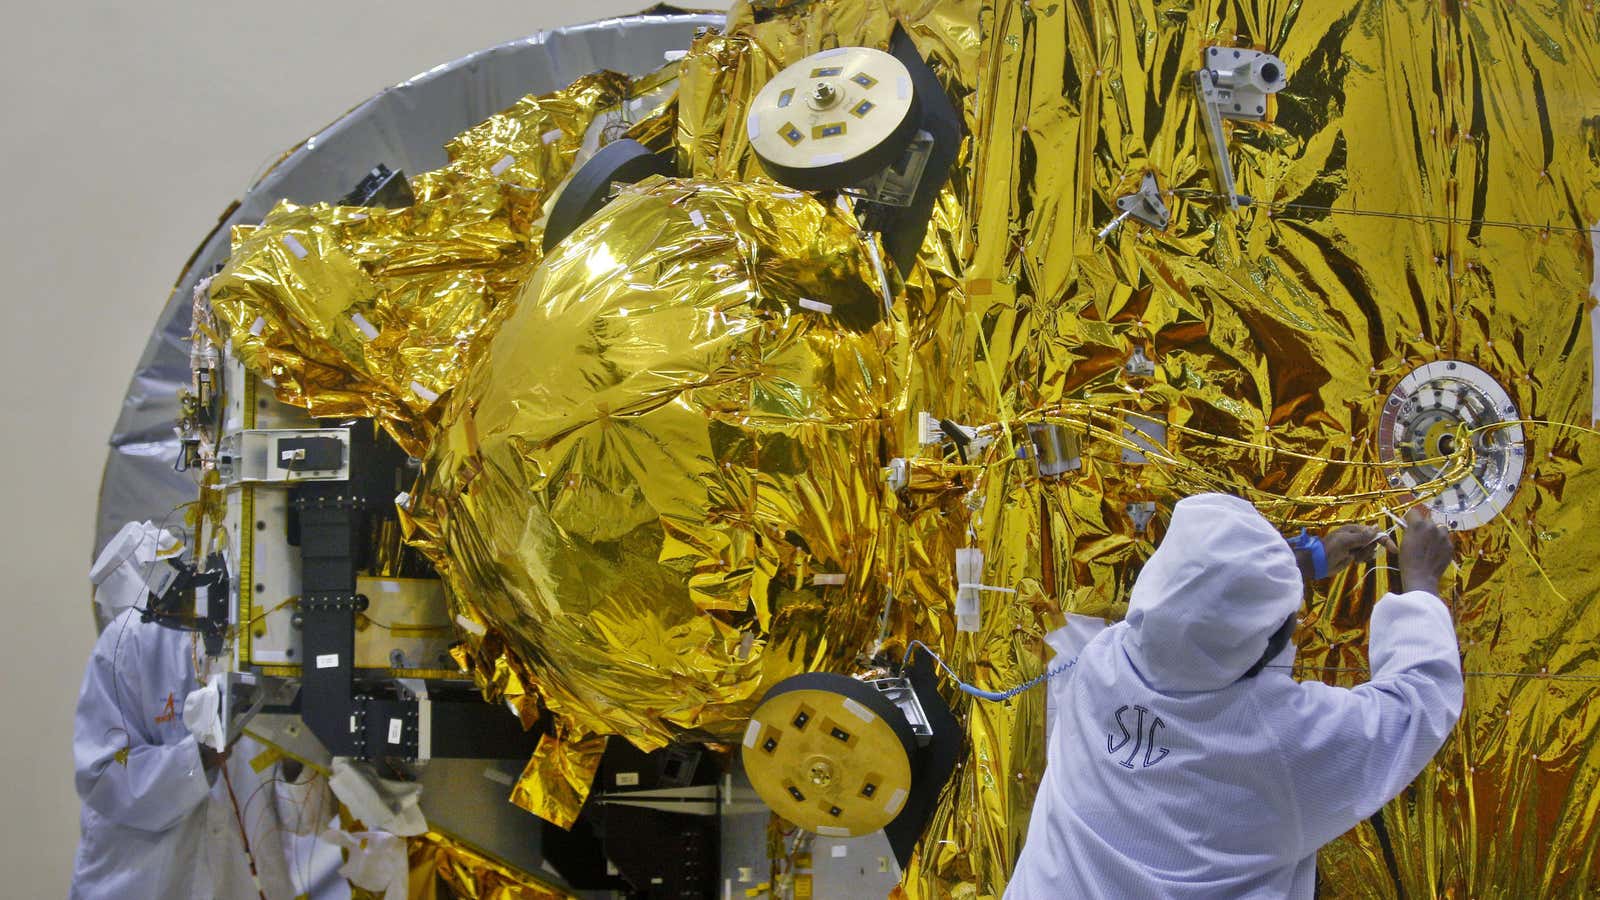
150	787
1068	642
1348	752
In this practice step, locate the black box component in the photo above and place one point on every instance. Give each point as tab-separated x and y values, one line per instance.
381	188
316	454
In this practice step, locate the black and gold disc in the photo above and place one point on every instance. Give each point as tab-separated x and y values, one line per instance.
829	754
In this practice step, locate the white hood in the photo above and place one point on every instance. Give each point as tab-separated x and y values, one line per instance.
1222	581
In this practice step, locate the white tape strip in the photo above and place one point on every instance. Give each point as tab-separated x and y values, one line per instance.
828	579
421	391
859	711
367	329
969	571
295	247
1594	325
551	136
816	306
470	627
258	326
751	732
831	831
424	729
502	164
895	800
499	777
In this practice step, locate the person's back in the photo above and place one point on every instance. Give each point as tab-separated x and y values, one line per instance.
139	770
1174	773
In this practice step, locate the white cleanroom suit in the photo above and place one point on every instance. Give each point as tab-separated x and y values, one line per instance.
155	823
1170	775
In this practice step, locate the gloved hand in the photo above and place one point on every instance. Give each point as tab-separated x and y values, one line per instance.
1425	552
382	804
202	716
1351	543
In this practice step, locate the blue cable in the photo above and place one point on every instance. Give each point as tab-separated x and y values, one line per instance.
978	692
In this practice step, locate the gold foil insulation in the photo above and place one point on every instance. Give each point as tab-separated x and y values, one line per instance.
443	868
649	425
659	484
377	312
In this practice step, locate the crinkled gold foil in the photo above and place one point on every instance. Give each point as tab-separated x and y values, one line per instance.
377	312
1282	326
556	780
659	449
444	868
626	485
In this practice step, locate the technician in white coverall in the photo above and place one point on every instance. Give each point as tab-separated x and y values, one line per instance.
159	819
1186	762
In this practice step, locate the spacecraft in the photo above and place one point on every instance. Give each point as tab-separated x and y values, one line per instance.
588	430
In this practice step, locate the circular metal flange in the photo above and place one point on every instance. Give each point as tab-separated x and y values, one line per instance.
1423	419
834	119
829	754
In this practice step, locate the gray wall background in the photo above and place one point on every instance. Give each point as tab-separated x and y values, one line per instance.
125	129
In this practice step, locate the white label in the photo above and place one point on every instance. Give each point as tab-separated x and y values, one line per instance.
969	571
422	391
751	732
499	777
258	326
828	578
859	711
328	661
395	727
895	799
839	851
502	164
816	306
389	587
969	615
745	643
295	247
551	136
697	218
367	329
470	626
627	779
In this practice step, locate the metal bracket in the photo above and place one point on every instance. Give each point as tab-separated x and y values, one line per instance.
1140	513
1056	449
284	455
1138	365
1145	204
1234	84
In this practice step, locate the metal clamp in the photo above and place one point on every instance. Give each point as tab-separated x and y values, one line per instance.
1234	84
